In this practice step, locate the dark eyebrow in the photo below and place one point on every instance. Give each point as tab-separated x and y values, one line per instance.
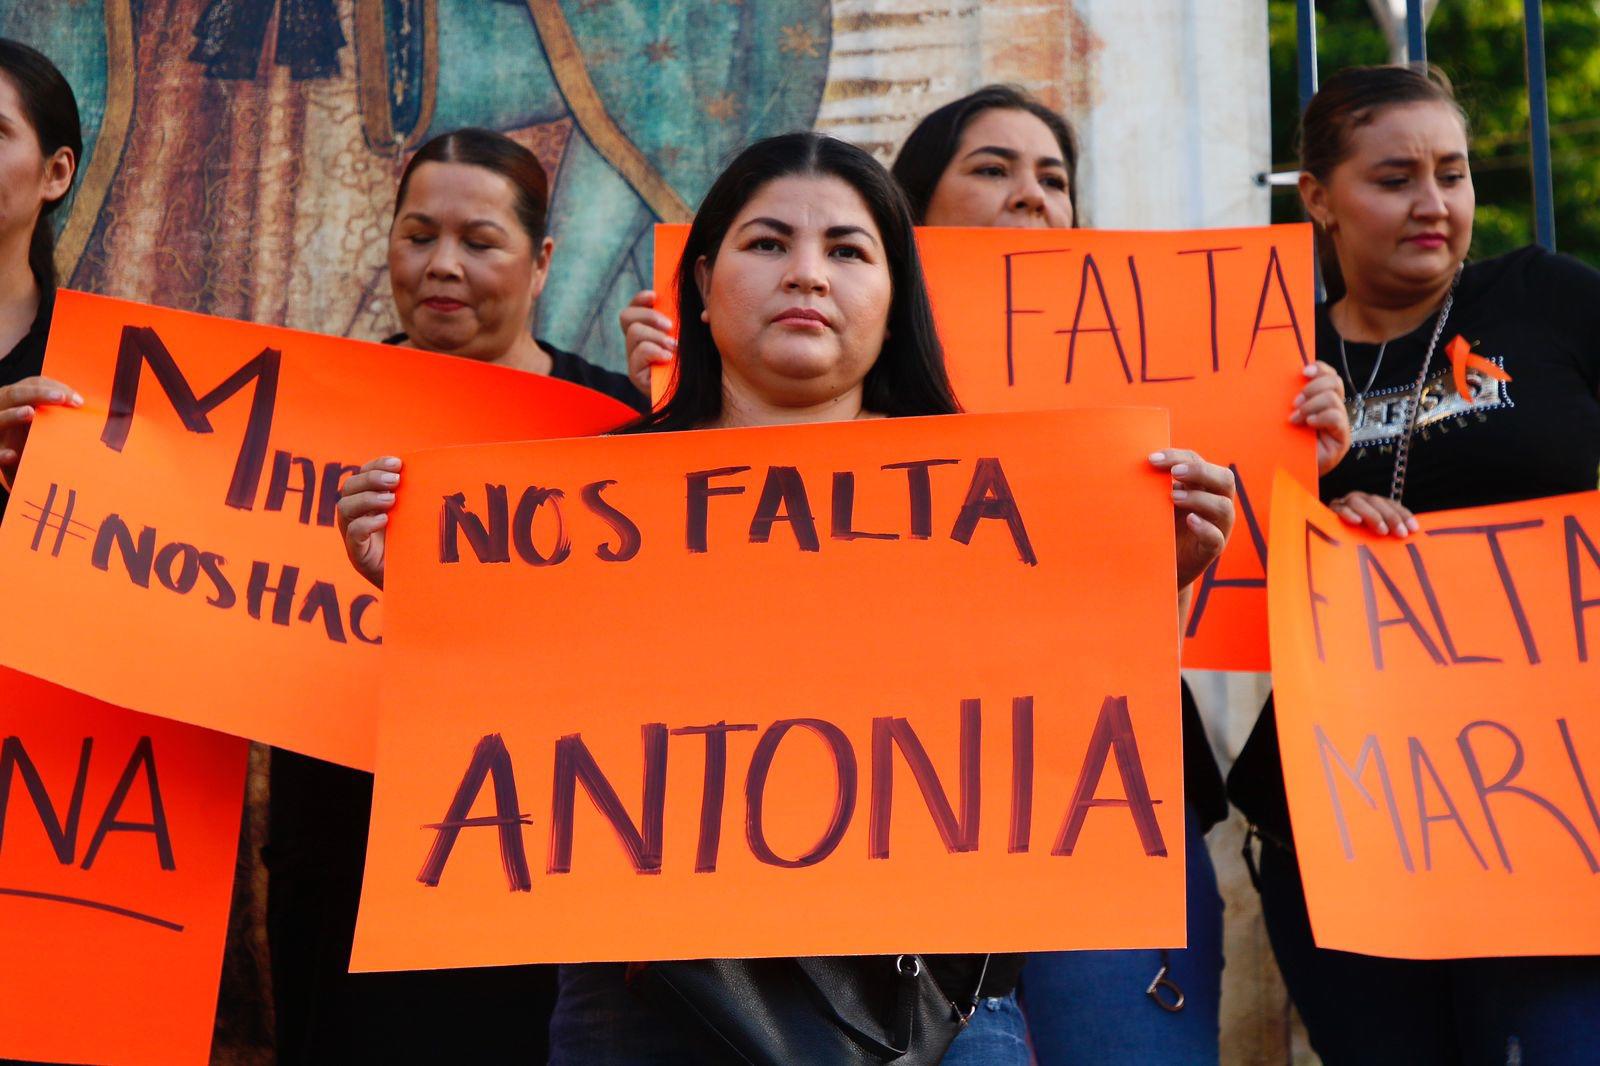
832	232
1411	161
771	223
1012	155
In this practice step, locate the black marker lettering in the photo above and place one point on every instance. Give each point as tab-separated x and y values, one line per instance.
1113	733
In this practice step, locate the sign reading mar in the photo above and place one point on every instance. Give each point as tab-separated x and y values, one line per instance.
181	522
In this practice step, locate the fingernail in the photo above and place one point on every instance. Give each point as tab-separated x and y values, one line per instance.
386	497
77	401
1180	470
390	463
1156	457
1310	370
388	479
673	344
1180	494
1383	527
383	518
56	397
1299	399
1411	524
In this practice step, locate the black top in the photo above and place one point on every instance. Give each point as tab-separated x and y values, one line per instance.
566	366
26	360
1537	316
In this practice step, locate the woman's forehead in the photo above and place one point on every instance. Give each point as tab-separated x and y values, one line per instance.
807	202
460	189
1010	128
1415	130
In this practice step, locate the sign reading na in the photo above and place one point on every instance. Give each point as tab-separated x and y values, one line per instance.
118	834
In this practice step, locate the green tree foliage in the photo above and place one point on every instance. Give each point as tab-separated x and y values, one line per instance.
1479	44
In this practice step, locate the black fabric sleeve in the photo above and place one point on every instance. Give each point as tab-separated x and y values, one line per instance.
1566	293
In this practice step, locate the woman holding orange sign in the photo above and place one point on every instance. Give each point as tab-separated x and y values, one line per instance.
999	157
40	144
1471	384
804	303
468	259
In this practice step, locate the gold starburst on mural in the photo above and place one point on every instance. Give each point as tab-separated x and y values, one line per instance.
798	40
722	107
660	51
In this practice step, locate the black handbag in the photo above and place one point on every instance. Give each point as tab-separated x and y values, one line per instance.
832	1009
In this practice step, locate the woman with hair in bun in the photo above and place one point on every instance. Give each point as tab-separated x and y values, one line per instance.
468	259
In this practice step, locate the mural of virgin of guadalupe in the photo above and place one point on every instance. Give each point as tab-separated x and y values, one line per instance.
241	154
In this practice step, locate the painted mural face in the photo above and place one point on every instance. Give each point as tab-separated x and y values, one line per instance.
1399	207
1007	171
798	300
466	275
28	181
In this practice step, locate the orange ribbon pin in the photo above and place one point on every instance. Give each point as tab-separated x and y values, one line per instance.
1462	359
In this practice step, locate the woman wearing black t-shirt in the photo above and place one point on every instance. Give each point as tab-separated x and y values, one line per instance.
468	257
1386	181
40	142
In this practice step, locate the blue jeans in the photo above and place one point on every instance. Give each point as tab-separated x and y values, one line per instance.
1091	1006
1453	1012
997	1035
599	1022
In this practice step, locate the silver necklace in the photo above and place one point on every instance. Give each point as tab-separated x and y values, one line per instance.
1402	452
1360	400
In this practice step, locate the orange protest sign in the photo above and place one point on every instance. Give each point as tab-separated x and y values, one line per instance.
1435	703
118	834
1214	325
888	668
181	523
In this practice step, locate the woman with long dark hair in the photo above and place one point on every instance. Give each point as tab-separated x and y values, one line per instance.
40	145
1387	183
803	302
468	259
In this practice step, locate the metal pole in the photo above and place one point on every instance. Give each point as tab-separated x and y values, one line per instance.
1416	33
1544	211
1305	24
